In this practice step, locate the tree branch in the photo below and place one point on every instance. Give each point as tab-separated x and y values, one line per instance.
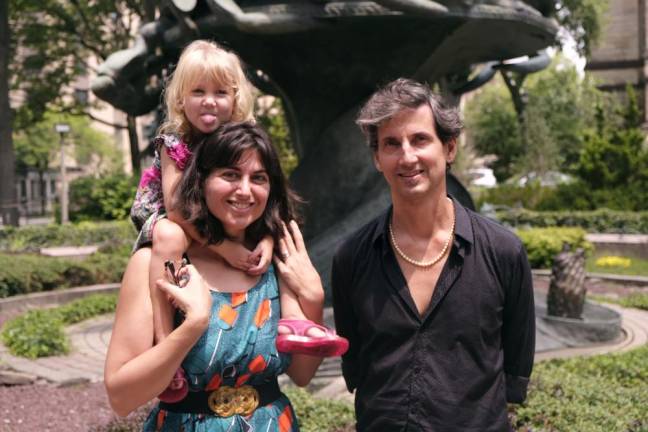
71	110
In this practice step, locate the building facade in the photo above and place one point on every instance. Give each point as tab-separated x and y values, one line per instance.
621	56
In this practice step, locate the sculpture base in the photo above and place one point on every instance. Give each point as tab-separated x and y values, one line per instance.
598	325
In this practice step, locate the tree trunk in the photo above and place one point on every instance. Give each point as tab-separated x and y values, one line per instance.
514	81
134	145
43	191
8	199
566	296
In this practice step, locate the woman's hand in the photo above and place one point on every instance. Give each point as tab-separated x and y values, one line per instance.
296	268
192	297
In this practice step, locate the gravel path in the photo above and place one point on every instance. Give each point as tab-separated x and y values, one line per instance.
44	407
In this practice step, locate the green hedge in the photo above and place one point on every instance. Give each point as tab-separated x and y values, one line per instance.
108	197
509	195
599	221
32	238
542	244
24	274
40	332
318	415
595	394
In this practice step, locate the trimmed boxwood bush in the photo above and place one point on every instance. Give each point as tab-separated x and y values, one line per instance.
595	394
32	238
599	221
40	332
542	244
24	274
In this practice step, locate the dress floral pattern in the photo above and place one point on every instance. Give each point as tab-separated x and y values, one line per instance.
237	348
148	206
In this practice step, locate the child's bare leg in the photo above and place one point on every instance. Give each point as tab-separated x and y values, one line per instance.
169	243
290	309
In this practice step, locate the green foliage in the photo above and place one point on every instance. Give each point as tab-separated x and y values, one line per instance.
38	333
24	274
612	166
594	394
38	145
273	119
492	125
638	300
318	415
559	108
106	198
543	244
86	307
510	195
32	238
46	71
601	221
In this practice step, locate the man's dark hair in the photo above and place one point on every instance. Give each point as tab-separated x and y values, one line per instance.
224	148
403	94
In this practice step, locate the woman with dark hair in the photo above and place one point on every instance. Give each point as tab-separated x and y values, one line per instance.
227	325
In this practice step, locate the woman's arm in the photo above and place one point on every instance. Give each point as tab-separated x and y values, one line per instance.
136	371
298	275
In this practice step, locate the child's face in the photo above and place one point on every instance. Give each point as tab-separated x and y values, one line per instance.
207	104
238	195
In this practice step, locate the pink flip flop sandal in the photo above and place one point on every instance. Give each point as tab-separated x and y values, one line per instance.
329	345
177	388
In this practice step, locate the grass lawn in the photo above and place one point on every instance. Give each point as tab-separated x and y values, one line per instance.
637	267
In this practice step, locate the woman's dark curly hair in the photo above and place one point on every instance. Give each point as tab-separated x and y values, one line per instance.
224	148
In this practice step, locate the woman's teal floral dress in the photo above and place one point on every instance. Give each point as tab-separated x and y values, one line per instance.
237	348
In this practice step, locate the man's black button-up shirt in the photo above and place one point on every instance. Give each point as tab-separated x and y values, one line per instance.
454	367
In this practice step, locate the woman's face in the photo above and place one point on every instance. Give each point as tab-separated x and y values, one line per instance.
237	195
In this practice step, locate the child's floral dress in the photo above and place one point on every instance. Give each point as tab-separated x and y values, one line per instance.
148	206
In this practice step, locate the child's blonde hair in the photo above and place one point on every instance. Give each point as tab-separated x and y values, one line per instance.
200	59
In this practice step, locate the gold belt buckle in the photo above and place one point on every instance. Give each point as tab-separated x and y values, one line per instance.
227	401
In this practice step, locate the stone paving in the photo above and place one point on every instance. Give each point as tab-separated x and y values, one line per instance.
90	341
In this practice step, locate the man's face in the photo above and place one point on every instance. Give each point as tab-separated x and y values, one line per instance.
411	156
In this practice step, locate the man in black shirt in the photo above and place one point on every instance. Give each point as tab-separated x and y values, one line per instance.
436	300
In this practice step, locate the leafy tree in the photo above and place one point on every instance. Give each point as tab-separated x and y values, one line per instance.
492	126
46	73
560	107
271	116
612	169
38	146
105	198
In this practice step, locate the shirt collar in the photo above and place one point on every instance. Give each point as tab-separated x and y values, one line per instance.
463	227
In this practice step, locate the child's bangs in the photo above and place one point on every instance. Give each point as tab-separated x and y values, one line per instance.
218	68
